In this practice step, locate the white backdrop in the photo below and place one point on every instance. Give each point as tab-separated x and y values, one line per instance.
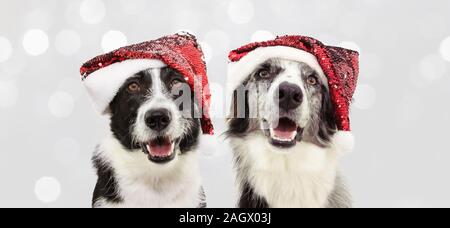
48	128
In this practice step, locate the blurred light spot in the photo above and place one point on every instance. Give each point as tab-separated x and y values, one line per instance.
92	11
241	11
68	42
134	6
8	94
113	40
219	40
35	42
61	104
365	97
262	35
207	51
350	45
5	49
47	189
66	151
445	49
432	67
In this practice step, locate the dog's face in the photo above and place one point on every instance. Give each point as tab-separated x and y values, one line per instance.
154	111
288	102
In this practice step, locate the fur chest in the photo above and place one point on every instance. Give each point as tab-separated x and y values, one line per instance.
141	183
303	176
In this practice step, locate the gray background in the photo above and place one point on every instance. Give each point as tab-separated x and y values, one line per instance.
48	128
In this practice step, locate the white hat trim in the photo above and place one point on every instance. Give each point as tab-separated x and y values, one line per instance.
240	70
103	84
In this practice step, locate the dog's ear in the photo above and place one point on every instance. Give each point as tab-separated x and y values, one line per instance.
239	121
328	125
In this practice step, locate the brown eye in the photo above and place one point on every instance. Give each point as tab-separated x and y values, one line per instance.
312	80
264	74
134	87
176	84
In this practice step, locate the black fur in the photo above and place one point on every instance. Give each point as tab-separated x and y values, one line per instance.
124	109
239	127
328	121
106	187
249	199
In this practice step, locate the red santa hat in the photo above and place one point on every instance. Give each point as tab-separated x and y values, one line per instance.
339	66
104	75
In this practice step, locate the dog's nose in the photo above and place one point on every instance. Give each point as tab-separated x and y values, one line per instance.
158	120
290	96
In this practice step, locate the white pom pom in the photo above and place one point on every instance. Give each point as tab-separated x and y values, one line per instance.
343	142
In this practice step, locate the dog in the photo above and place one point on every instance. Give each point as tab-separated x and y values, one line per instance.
150	158
282	139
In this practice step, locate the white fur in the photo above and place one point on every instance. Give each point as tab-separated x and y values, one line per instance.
291	75
301	177
159	99
103	84
240	70
143	184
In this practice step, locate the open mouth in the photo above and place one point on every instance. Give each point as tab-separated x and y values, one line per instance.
286	134
160	150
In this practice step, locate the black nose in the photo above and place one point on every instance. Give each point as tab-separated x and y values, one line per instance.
158	120
290	96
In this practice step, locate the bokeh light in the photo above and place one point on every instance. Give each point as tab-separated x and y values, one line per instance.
35	42
113	40
47	189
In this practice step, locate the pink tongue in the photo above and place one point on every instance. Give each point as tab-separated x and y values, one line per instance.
284	134
160	150
286	129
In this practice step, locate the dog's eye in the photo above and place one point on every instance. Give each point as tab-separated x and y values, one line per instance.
264	74
312	80
176	83
134	87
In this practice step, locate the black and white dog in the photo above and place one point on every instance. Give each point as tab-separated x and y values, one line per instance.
150	158
283	138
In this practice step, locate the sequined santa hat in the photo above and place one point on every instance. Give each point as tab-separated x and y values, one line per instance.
338	65
104	75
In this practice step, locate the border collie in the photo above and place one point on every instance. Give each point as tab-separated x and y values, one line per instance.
282	143
150	158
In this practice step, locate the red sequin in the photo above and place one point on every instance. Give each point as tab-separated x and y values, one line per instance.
180	51
340	65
